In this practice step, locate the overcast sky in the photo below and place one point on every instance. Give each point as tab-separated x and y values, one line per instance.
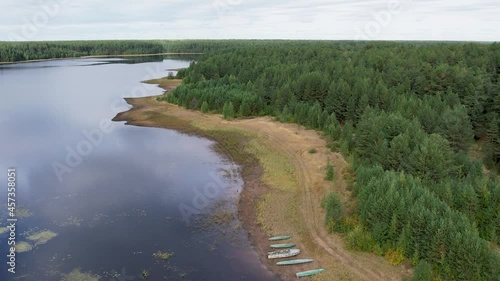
477	20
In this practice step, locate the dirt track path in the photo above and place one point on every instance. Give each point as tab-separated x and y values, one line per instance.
294	141
295	145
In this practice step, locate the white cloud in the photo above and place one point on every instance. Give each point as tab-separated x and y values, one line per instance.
296	19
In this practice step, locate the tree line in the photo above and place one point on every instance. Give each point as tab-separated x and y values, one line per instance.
21	51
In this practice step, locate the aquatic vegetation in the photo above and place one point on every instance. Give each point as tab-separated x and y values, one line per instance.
42	237
77	275
145	274
101	218
3	230
163	255
22	247
141	213
221	214
221	222
222	217
23	213
71	221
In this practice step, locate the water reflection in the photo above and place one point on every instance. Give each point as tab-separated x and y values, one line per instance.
120	203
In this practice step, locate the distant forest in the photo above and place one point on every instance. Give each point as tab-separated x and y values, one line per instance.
419	121
22	51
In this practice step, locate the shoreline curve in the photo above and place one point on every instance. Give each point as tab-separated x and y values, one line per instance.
283	184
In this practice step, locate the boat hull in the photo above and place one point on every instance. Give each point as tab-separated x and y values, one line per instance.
283	254
280	246
293	262
309	272
277	238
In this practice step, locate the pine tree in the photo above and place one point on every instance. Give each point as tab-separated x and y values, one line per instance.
322	120
332	127
204	107
456	128
400	150
364	102
422	272
493	146
313	114
286	115
334	214
228	110
471	100
330	174
428	117
432	159
245	109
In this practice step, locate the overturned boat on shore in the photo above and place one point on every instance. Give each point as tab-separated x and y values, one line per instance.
283	254
293	262
277	238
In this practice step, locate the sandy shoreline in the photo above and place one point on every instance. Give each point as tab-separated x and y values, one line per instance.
284	185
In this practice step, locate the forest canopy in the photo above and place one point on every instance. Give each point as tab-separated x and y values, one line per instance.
418	120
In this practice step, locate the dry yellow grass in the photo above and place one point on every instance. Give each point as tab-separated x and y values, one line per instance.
165	83
279	171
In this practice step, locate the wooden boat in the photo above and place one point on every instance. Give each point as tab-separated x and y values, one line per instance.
283	254
278	246
292	262
309	272
277	238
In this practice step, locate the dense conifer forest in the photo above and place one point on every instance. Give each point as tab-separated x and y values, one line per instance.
21	51
419	121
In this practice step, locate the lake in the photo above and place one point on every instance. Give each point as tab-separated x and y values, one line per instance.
100	198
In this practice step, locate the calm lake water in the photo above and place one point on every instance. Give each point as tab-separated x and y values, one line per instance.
103	197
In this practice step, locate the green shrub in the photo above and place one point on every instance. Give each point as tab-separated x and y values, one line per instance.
204	107
145	274
334	215
359	239
378	250
330	173
395	257
312	150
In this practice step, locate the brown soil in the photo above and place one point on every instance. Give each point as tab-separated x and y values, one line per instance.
268	210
